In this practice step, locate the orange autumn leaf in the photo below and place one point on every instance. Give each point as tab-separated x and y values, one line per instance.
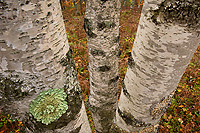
181	106
170	117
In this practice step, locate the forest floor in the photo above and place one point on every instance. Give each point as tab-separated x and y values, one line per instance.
183	115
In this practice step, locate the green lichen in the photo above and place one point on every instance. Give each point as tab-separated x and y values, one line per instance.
49	105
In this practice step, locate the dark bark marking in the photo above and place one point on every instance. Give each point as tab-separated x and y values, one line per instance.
68	60
119	53
113	80
49	4
88	28
131	62
184	12
11	90
101	25
104	1
99	17
116	40
3	3
93	84
96	52
130	120
49	14
110	24
129	54
27	2
126	93
104	68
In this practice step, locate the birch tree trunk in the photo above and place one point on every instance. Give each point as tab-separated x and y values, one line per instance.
34	57
101	24
167	37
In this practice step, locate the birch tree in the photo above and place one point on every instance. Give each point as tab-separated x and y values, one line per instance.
167	37
101	24
34	58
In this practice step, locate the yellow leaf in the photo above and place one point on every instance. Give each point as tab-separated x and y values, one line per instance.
181	106
179	90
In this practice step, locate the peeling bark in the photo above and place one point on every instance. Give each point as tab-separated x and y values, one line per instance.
167	37
35	56
101	24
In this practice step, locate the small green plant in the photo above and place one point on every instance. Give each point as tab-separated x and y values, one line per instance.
129	39
49	105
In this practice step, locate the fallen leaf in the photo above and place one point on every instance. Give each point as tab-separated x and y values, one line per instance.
179	90
170	117
180	120
181	106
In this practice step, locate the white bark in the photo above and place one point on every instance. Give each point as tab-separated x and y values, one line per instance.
167	37
35	56
102	28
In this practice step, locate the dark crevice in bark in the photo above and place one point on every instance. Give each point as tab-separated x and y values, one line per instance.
126	93
130	120
88	28
131	62
119	53
68	59
113	80
104	68
101	26
116	40
104	1
11	90
96	52
184	12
